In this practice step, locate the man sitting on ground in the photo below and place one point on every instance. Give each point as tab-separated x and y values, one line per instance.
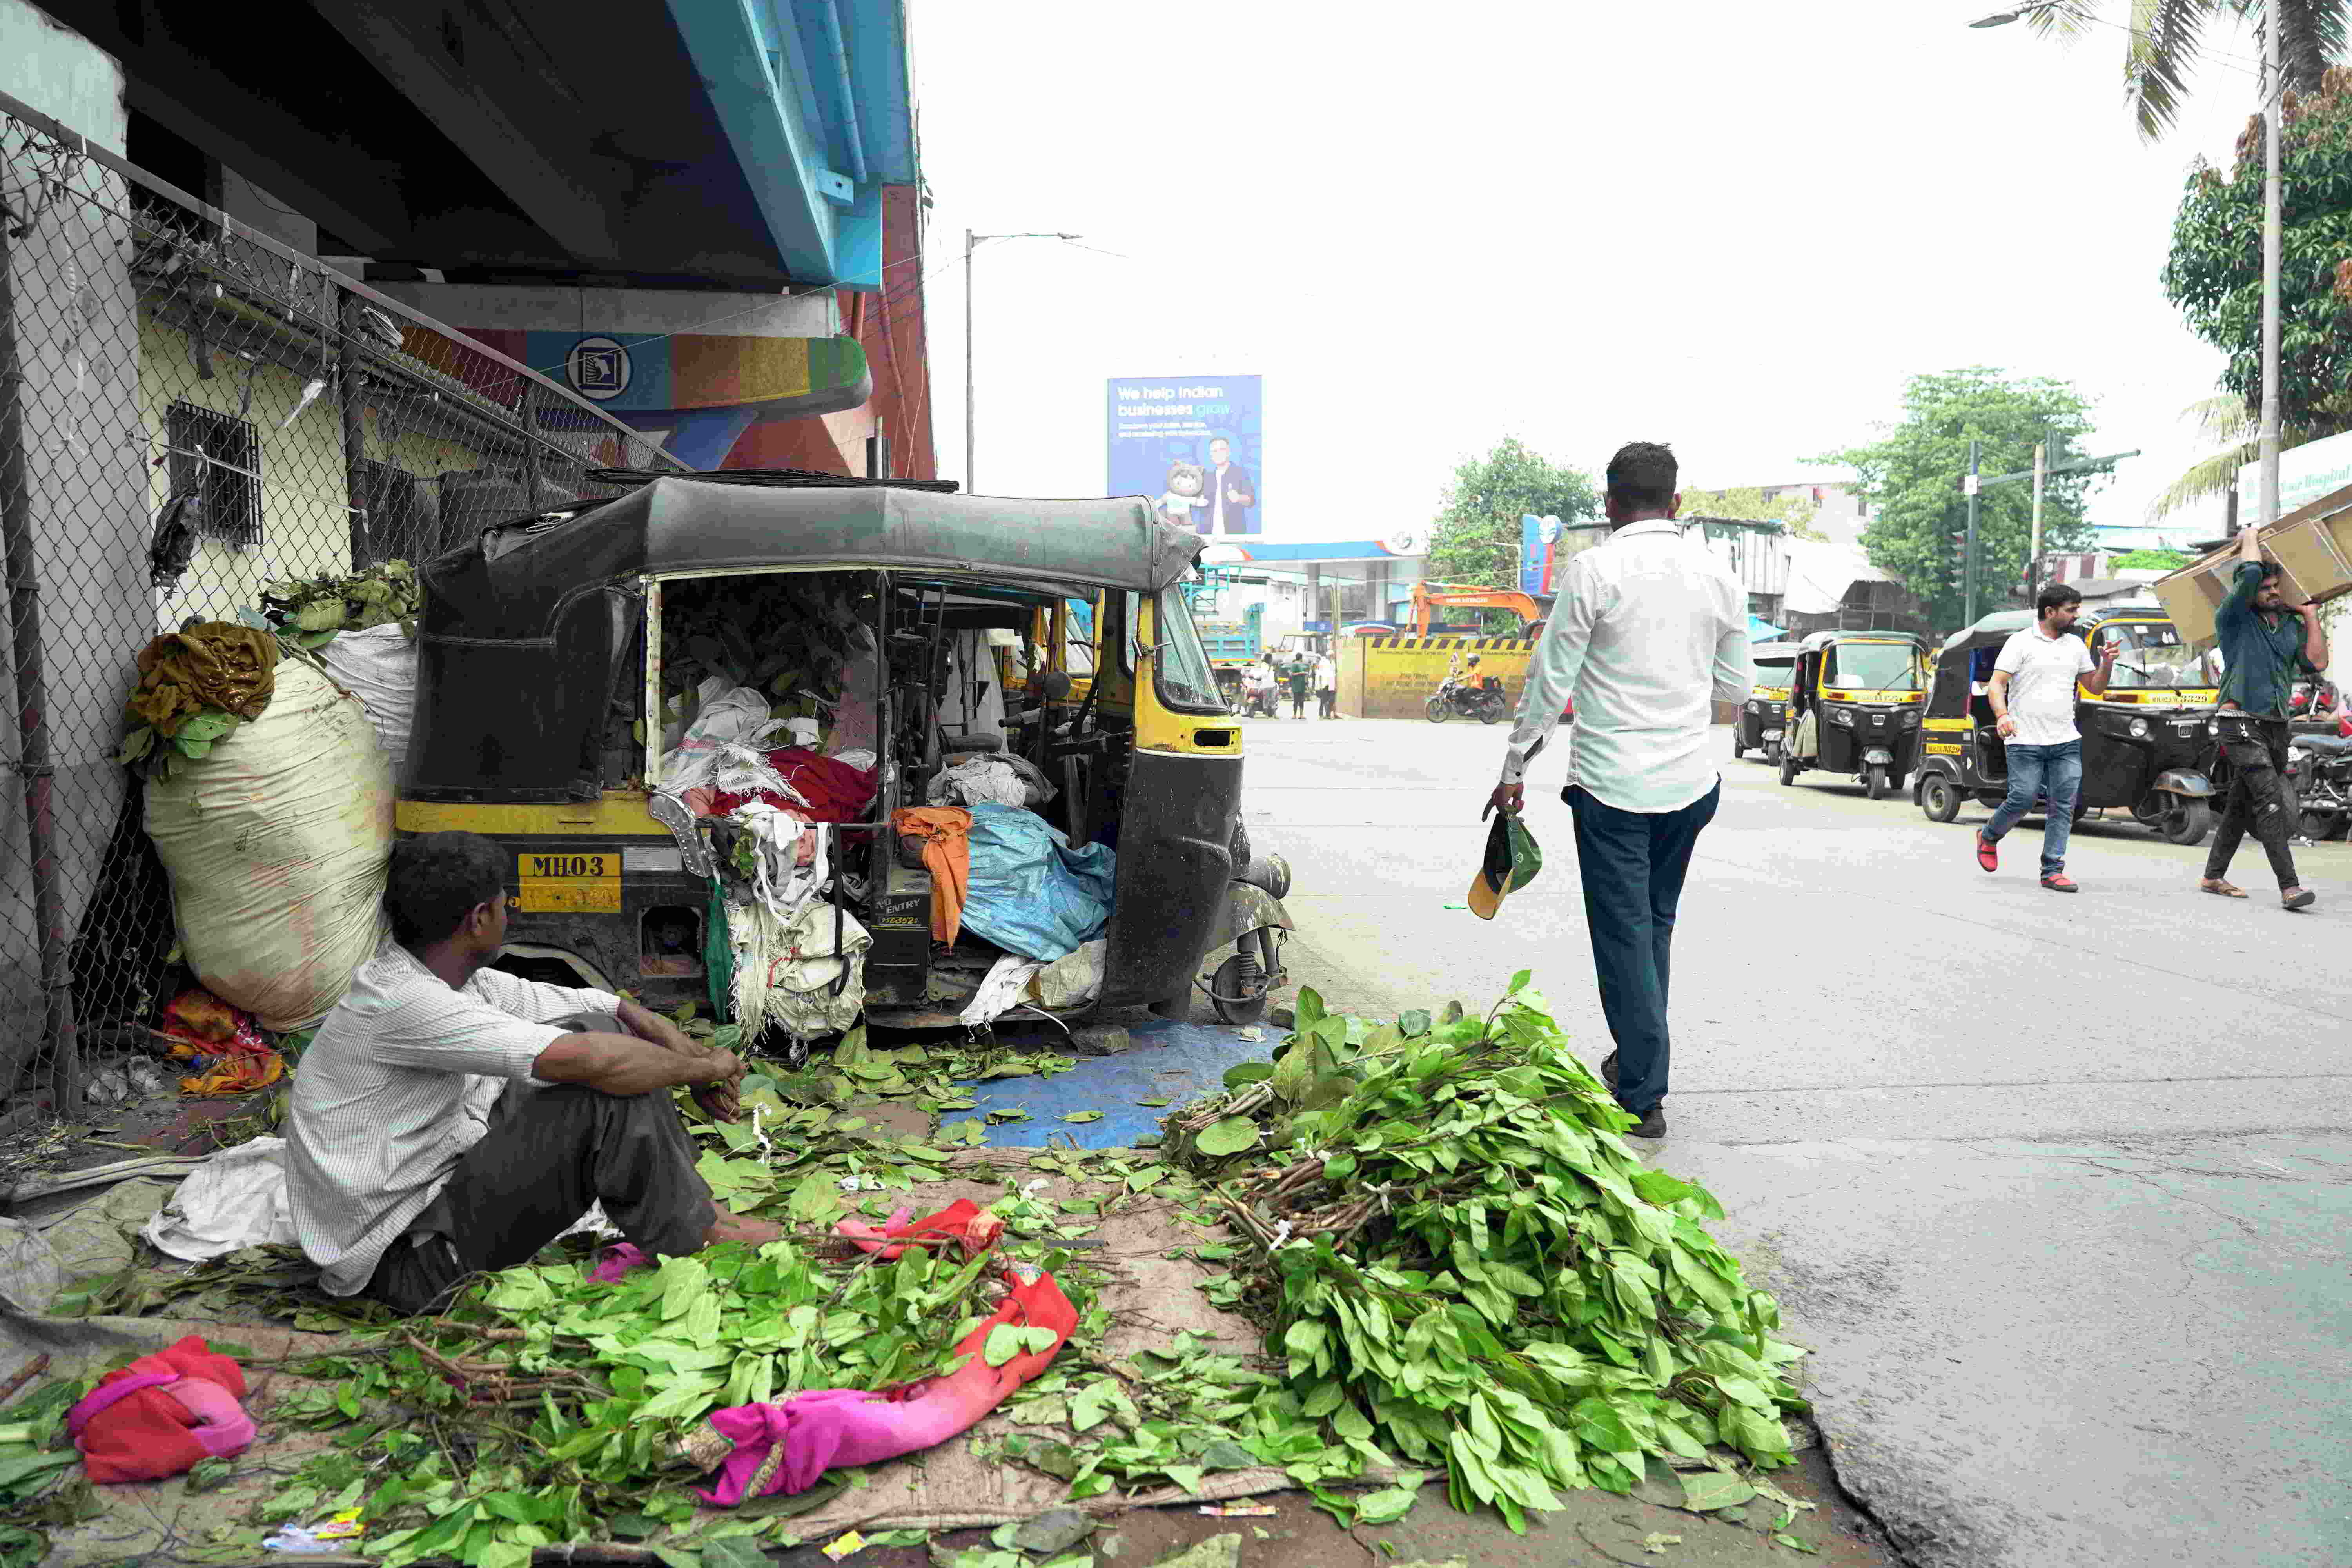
450	1119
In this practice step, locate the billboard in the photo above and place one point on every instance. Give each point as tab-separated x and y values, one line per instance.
1193	445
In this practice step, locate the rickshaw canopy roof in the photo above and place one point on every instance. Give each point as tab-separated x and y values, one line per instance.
1823	639
1770	652
1997	627
674	526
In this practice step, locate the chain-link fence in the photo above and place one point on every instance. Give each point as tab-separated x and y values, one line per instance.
188	412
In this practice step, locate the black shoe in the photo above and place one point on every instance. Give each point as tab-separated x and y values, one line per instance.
1652	1125
1609	1071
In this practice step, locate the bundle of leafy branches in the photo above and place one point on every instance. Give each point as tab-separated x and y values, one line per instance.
194	685
310	611
785	635
1467	1267
34	1464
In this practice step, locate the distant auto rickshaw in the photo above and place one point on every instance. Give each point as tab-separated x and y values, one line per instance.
2143	740
1855	702
559	656
1759	726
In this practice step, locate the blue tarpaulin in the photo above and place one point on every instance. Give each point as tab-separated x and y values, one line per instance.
1029	892
1170	1060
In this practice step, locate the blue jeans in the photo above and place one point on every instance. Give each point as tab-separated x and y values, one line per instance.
1632	863
2033	770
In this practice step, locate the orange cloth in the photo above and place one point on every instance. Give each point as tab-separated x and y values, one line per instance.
229	1054
946	833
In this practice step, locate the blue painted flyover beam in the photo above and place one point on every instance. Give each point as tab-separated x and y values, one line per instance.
782	156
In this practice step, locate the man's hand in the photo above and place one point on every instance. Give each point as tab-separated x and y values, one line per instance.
720	1098
2006	725
1507	797
2107	655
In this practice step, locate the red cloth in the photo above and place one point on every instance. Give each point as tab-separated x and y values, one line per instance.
147	1436
835	791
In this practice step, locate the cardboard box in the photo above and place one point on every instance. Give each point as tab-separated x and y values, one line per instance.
2312	544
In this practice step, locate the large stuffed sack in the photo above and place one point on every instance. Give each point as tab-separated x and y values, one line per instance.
378	666
277	844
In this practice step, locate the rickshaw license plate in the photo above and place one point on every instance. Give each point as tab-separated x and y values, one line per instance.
573	884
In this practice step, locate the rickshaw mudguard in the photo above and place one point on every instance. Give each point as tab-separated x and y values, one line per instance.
1880	755
1175	862
2182	781
1247	908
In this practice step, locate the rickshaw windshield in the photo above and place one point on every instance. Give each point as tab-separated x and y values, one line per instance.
1181	672
1873	667
2153	658
1776	673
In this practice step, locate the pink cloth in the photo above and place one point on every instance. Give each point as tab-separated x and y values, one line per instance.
828	1426
162	1415
619	1261
962	1222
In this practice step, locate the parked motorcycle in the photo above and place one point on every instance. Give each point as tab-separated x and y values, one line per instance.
2319	779
1258	702
1484	701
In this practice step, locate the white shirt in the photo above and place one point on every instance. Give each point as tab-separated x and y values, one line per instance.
2041	674
1327	674
398	1083
1648	633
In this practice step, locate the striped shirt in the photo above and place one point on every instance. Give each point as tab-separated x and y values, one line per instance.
397	1084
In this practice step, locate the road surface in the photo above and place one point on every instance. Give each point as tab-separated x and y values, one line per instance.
2057	1187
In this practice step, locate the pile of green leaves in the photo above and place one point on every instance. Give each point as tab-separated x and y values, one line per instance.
1467	1267
783	634
310	611
35	1462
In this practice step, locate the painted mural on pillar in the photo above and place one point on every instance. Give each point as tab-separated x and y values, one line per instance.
1546	544
1194	445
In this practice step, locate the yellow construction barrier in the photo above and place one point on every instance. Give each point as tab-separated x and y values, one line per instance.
1392	676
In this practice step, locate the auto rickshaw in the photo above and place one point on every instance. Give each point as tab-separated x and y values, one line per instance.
2143	740
1855	702
559	655
1759	729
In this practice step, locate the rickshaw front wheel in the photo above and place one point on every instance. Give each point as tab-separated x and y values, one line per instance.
1939	799
1237	991
1874	781
1788	764
2188	823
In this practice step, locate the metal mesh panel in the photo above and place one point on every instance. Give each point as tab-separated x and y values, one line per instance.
152	353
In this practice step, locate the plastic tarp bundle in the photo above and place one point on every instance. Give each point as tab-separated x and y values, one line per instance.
378	666
276	845
785	971
724	748
234	1199
1029	892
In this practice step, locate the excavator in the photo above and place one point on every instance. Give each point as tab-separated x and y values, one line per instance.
1426	596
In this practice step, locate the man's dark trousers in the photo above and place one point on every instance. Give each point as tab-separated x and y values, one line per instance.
2258	802
548	1155
1632	863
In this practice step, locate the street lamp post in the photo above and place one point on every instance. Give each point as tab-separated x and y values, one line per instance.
971	242
2274	99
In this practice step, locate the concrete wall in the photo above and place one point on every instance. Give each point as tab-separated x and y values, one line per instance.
1392	677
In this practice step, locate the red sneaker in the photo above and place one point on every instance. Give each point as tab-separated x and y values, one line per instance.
2059	882
1988	852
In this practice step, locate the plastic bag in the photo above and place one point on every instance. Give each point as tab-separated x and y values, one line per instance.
276	845
1029	892
1008	781
237	1198
724	748
378	666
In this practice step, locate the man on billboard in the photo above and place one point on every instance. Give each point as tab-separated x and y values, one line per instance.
1231	496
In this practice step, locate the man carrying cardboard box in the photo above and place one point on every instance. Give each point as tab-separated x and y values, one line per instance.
2266	645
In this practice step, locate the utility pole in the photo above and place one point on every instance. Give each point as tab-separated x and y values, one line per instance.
2272	100
2033	553
1968	550
970	243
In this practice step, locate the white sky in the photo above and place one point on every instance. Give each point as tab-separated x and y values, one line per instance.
1734	226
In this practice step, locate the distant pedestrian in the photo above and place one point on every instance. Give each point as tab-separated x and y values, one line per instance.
1649	639
2033	701
2266	645
1327	684
1300	672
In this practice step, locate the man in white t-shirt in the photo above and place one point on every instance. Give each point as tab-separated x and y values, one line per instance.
2033	700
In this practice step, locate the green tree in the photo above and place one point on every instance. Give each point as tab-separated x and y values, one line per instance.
1911	476
2214	273
2165	43
1476	536
1749	505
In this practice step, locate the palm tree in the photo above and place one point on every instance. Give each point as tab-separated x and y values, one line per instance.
2225	421
2165	44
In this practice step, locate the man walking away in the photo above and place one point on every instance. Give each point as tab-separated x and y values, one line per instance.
2266	645
1327	684
2033	700
1649	639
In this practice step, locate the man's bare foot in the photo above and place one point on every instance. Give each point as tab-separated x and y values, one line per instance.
736	1227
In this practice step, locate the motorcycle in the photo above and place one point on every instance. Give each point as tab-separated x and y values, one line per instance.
1258	702
1484	701
2319	781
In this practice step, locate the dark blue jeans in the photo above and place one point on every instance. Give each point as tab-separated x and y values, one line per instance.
2031	771
1632	863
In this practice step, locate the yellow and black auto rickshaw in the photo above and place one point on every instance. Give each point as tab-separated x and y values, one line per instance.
560	657
2144	740
1759	726
1853	708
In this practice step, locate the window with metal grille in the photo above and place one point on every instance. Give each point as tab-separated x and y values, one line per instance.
397	516
219	456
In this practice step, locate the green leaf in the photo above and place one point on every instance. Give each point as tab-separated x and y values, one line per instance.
1004	1342
509	1554
1084	1116
734	1551
1241	1075
1230	1136
1385	1507
1705	1491
1519	982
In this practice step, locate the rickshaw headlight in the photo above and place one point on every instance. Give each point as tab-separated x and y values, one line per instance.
2139	728
1842	716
